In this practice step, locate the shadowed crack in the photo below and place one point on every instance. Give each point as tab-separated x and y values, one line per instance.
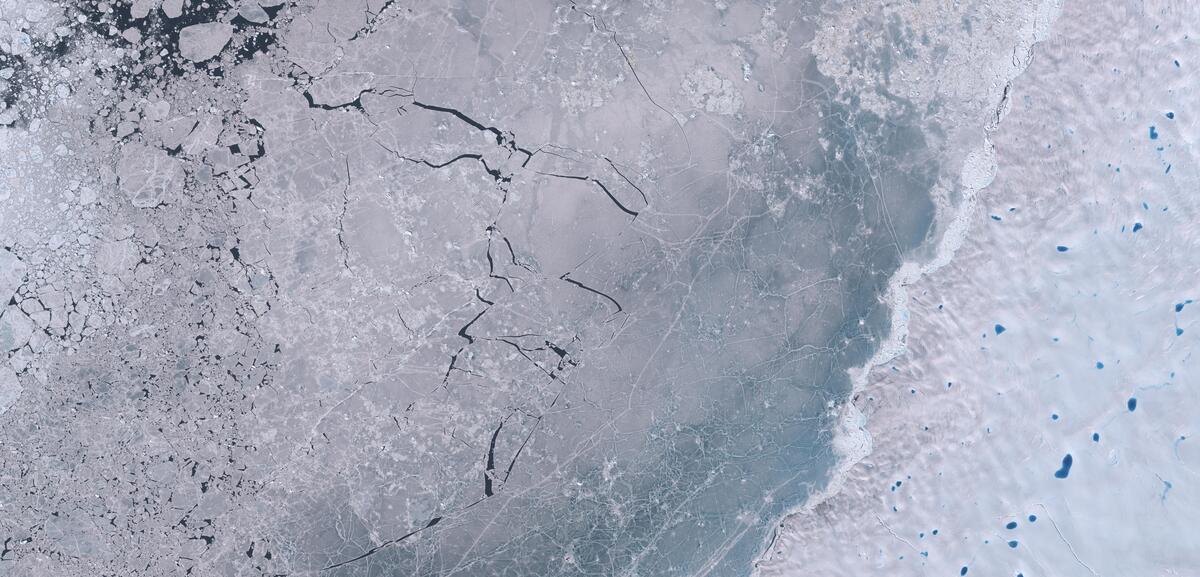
626	179
513	462
597	182
385	544
463	331
492	263
341	235
504	139
567	277
491	462
356	103
390	91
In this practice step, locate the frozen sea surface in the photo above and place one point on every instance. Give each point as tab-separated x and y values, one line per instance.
1043	420
362	288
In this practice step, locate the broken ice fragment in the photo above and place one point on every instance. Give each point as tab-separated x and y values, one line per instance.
199	42
253	13
148	175
172	8
141	8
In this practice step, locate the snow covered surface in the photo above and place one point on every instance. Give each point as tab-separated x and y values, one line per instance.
356	288
1043	420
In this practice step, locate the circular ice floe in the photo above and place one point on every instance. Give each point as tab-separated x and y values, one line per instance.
199	42
148	175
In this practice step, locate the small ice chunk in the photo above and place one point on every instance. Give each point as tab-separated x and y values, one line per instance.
254	13
158	110
141	8
199	42
20	43
125	128
172	8
36	11
88	195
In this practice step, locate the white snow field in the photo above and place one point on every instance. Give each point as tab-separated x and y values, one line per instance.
1044	418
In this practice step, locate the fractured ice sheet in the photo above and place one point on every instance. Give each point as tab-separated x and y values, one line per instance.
374	287
148	175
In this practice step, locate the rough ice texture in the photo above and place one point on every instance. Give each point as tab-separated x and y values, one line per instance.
148	176
440	288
